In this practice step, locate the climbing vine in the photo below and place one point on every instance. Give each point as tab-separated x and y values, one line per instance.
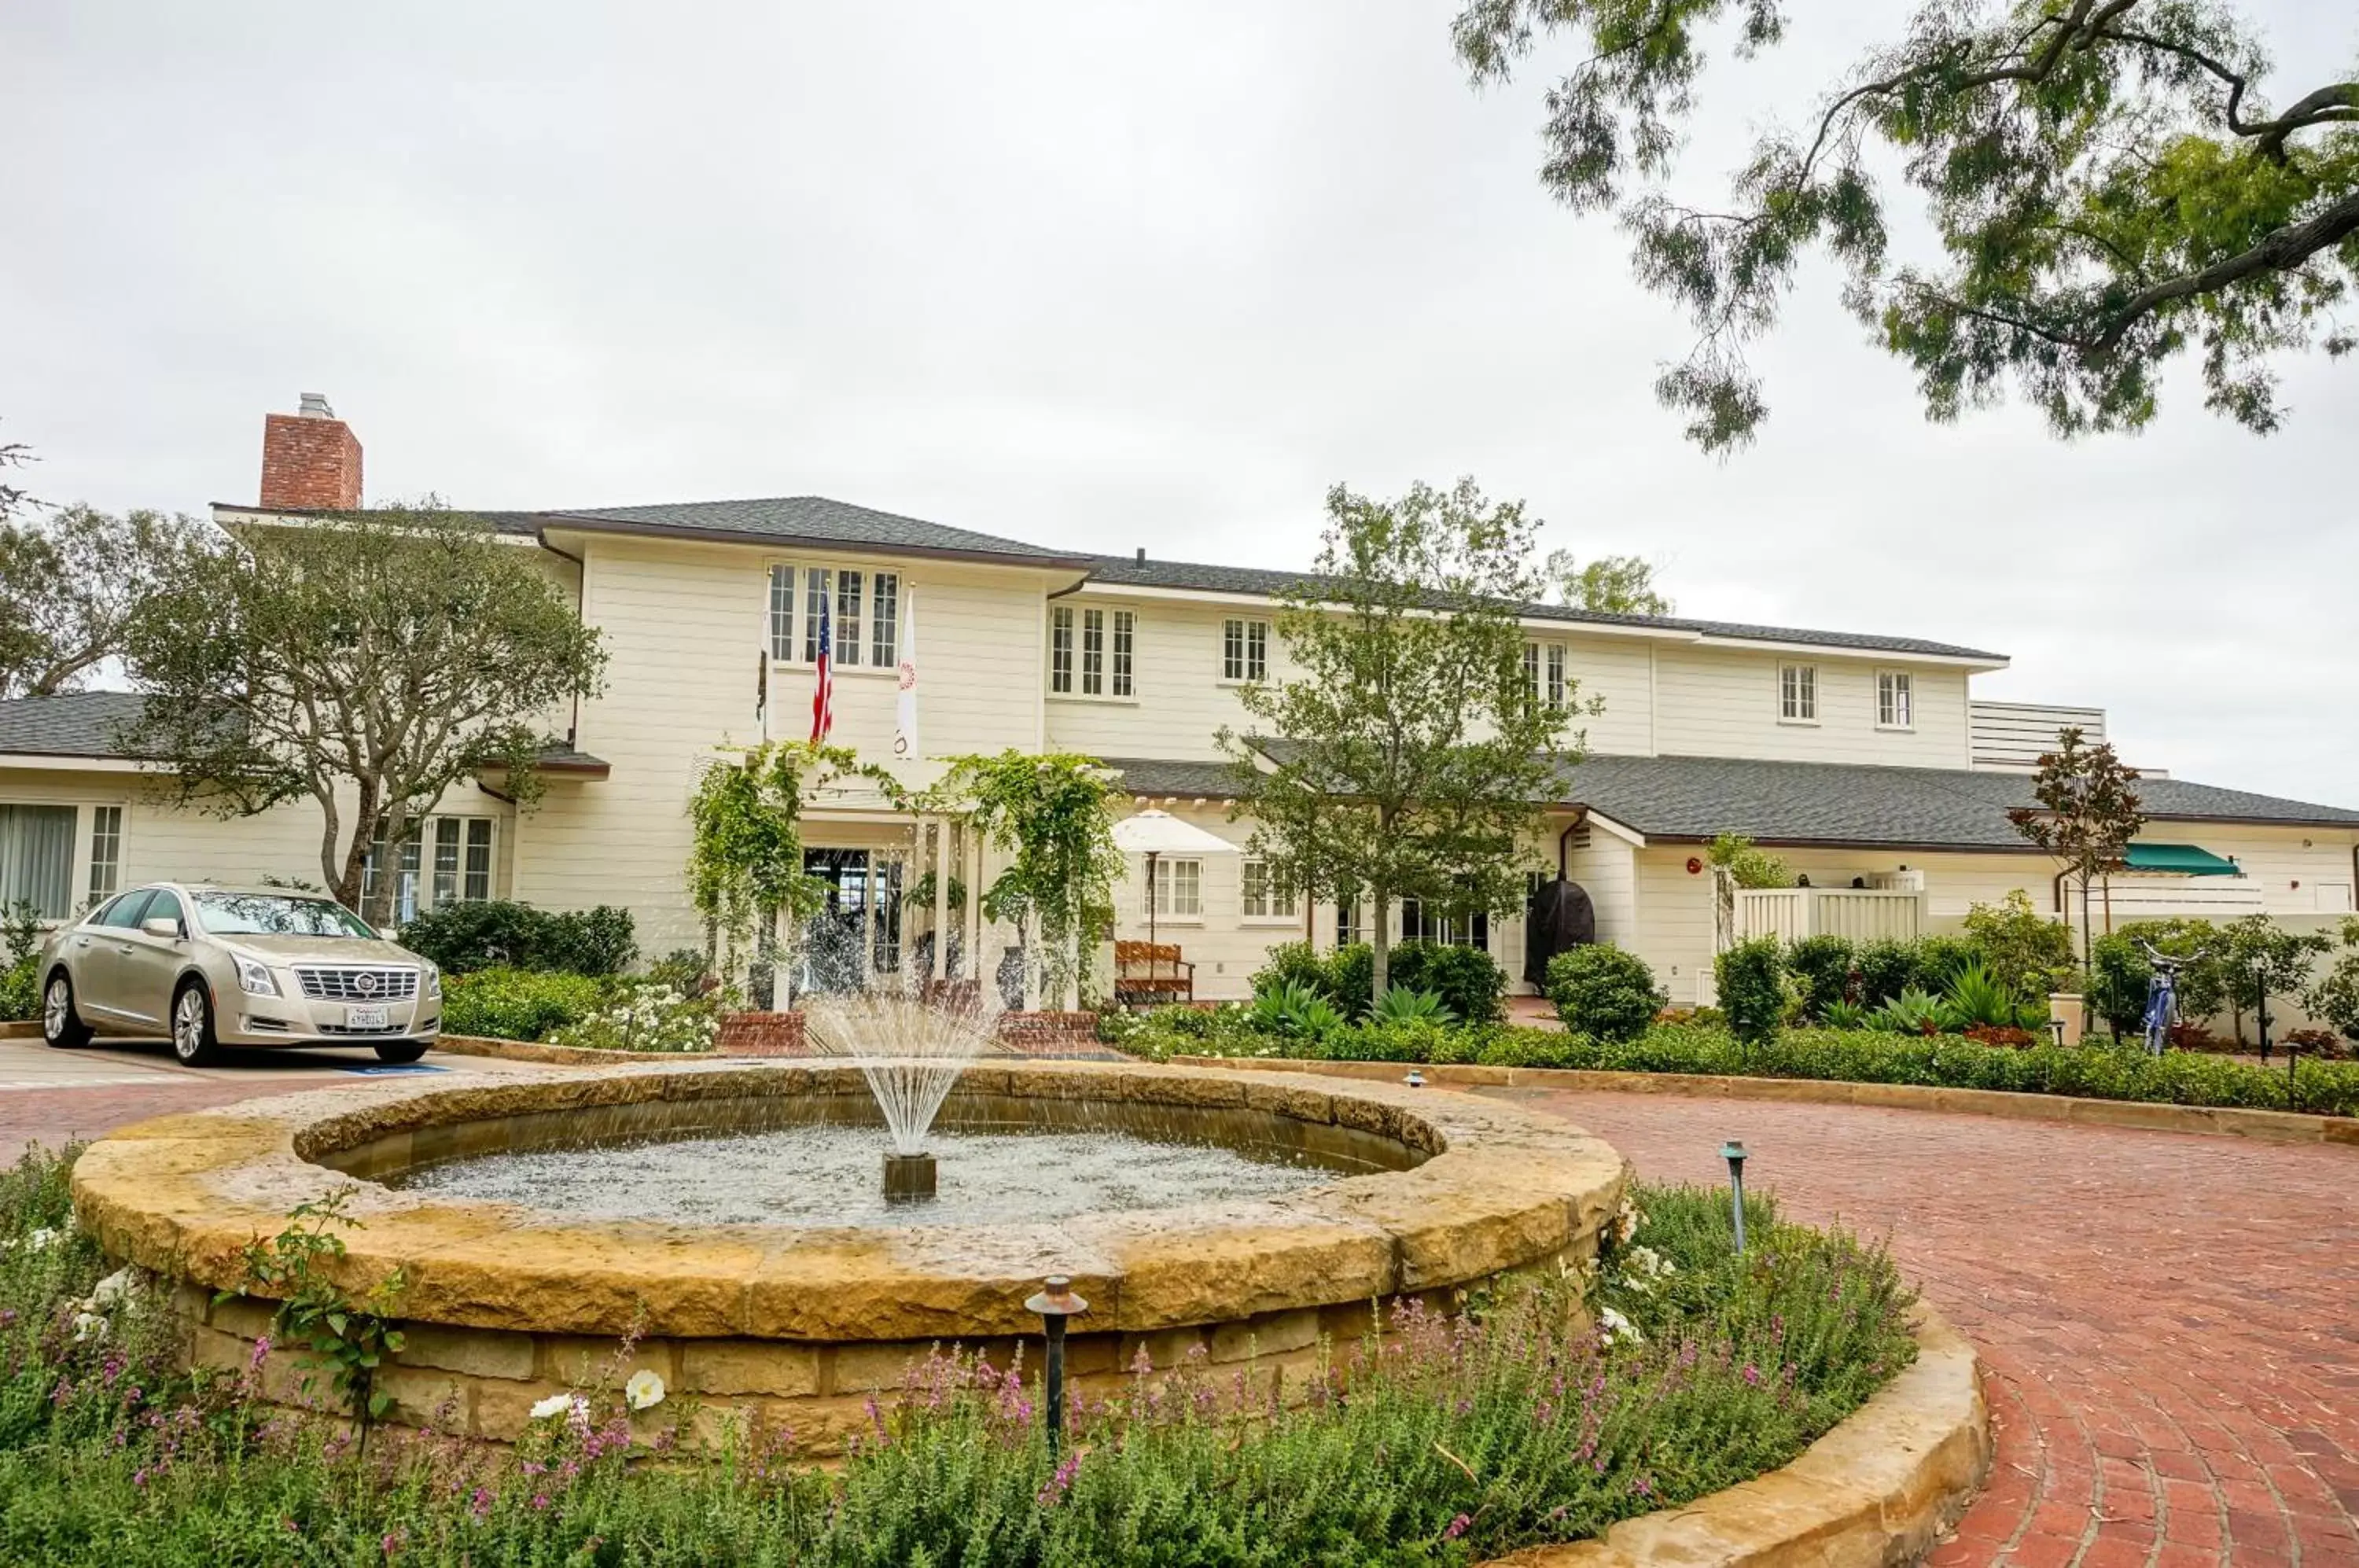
745	858
1050	813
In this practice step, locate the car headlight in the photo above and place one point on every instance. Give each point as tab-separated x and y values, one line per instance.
429	981
253	978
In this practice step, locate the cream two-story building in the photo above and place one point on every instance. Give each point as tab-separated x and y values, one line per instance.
1865	759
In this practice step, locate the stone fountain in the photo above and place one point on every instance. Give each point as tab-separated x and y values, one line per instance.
911	1052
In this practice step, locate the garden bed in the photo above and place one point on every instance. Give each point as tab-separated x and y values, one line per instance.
1518	1427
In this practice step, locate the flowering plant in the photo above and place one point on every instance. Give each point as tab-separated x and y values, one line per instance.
645	1018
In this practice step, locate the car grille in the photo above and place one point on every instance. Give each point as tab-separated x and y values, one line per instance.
347	1028
362	986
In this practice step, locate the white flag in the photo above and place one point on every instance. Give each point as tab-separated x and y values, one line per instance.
904	718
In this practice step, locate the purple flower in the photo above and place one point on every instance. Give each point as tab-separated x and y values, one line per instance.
1752	1375
1458	1527
1053	1490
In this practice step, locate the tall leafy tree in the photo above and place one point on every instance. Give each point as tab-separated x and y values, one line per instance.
367	662
2111	183
1610	584
72	585
1404	754
2088	812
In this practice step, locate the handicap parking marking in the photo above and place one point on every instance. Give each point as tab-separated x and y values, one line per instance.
388	1069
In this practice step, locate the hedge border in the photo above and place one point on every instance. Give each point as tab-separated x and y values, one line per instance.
2150	1115
1878	1490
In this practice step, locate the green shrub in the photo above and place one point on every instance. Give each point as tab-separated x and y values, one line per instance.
2118	974
502	933
1885	969
1343	977
2335	997
1752	981
517	1003
1977	998
1911	1012
1401	1005
1938	959
1821	967
1467	978
1290	964
21	981
2024	950
1601	990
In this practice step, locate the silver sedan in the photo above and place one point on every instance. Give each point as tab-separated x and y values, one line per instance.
217	966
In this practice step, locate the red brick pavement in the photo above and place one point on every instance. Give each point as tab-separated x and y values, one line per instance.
2168	1323
52	1117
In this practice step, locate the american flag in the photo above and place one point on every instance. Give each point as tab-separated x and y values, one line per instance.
824	699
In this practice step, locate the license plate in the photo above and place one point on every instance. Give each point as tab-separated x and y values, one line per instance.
365	1017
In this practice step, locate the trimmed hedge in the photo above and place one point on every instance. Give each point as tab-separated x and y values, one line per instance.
500	933
1467	980
1603	991
2097	1071
518	1004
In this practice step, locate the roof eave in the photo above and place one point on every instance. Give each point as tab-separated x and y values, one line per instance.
576	523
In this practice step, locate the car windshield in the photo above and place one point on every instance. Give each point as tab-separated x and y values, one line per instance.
275	914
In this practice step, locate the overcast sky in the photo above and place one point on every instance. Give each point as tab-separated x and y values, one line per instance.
1100	275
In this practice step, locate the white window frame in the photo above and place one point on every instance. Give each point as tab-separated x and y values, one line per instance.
1244	650
104	878
1262	899
1797	693
1545	664
866	605
421	868
1895	699
77	870
1092	653
1178	892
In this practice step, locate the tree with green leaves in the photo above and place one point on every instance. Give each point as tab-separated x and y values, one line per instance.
367	662
2110	182
13	454
1610	584
1052	814
1405	755
2088	812
2262	959
72	585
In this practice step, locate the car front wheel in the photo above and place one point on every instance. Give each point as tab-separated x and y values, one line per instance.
192	1026
62	1025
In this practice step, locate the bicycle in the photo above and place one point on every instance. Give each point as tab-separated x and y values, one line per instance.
2161	998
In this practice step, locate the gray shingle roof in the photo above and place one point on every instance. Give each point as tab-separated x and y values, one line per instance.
1173	775
1816	802
812	519
76	723
1206	578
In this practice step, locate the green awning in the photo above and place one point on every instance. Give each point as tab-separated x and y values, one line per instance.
2184	859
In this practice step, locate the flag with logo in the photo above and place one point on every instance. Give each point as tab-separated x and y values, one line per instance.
824	699
904	718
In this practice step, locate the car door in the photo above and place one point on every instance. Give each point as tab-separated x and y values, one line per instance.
97	952
152	966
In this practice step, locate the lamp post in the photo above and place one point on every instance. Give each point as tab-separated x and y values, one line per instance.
1055	1304
1733	1152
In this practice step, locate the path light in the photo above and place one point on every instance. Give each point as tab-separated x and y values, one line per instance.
1733	1152
1055	1304
1415	1080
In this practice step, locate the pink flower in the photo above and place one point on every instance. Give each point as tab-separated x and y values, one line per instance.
1752	1375
1458	1527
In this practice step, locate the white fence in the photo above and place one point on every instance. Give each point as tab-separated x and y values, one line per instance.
2132	897
1857	914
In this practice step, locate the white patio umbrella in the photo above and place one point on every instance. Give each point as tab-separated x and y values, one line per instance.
1158	834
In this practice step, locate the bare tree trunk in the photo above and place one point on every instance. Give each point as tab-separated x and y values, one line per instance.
1380	940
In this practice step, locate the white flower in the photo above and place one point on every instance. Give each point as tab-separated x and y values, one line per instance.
555	1405
39	1240
1626	1221
1617	1328
644	1392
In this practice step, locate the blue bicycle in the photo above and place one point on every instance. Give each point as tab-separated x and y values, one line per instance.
2161	998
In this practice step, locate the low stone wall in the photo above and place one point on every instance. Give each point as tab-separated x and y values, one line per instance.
762	1034
1875	1492
785	1328
1048	1031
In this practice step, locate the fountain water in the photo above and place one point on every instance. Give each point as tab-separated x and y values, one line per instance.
912	1051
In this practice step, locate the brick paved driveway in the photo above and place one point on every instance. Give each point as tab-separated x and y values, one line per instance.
2170	1322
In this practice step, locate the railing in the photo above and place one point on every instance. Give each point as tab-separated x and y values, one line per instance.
1857	914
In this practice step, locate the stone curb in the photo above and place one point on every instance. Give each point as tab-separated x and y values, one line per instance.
559	1055
2267	1127
1875	1492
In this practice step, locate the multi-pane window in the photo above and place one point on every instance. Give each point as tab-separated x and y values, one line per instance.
817	582
1797	693
445	860
1091	651
782	613
1244	650
885	619
105	851
1263	896
1544	677
1419	923
847	618
1178	890
36	847
1349	925
1895	699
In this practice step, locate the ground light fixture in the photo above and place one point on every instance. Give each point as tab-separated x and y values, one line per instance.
1415	1080
1733	1152
1055	1304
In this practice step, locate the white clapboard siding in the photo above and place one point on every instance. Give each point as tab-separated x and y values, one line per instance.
2012	737
2144	898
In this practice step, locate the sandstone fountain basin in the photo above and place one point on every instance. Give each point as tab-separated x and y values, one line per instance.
1417	1192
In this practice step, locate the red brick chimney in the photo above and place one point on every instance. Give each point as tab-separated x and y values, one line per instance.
311	461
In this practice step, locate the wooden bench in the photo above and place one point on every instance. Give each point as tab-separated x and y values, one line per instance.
1152	971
